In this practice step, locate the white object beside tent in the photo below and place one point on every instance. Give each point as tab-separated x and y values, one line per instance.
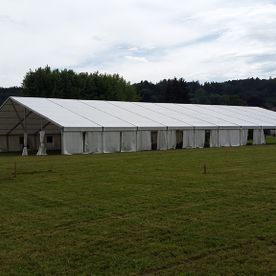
42	147
25	145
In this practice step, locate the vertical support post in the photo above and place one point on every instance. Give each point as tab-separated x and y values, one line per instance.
218	142
136	139
194	138
61	142
241	140
24	120
263	136
167	138
121	140
83	142
102	140
25	149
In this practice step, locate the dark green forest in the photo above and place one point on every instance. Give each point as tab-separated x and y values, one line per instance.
251	92
11	91
45	82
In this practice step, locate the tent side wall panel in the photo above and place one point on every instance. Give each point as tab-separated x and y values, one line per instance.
72	142
111	142
128	141
143	140
171	139
94	142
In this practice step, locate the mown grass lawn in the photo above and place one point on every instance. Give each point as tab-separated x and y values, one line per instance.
140	213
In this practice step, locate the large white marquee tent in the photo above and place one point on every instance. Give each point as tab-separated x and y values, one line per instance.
91	126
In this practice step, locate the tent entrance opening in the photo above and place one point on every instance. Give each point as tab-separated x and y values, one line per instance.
84	142
207	139
250	137
179	139
154	140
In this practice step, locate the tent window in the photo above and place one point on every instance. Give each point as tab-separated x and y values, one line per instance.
154	140
21	140
179	139
49	139
207	139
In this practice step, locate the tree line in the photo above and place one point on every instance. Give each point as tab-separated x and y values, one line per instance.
247	92
45	82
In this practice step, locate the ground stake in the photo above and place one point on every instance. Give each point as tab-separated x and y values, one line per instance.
14	172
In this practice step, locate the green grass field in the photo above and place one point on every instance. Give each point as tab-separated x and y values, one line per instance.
140	213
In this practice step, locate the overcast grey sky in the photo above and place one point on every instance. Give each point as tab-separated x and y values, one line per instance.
205	40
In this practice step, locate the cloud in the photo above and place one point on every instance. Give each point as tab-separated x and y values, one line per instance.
137	59
139	39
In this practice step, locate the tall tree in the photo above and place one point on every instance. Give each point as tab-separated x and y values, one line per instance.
45	82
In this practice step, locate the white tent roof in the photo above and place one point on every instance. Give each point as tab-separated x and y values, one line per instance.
84	115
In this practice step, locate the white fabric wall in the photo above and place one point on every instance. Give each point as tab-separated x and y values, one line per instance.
93	142
235	137
214	138
193	138
188	138
171	139
230	137
111	141
258	137
143	140
162	140
72	142
199	138
244	137
128	143
263	141
224	139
